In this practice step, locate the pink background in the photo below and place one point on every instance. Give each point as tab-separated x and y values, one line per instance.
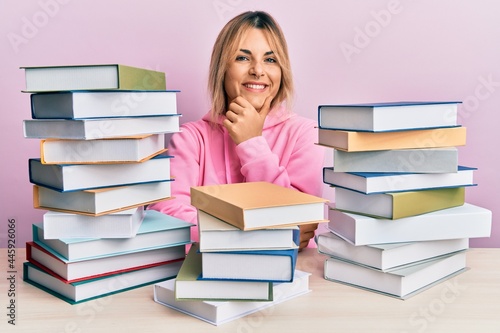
341	52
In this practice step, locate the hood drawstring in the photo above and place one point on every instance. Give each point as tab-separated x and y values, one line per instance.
227	160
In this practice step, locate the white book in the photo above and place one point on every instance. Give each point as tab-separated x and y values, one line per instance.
378	182
102	104
466	221
156	230
112	150
387	257
402	283
216	235
99	128
124	224
418	160
390	116
101	201
221	312
83	269
73	177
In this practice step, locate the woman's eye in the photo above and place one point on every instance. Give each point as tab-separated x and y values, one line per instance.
241	58
271	60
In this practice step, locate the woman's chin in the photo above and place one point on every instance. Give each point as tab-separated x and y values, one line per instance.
257	103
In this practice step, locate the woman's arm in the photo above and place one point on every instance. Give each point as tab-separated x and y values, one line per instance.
185	167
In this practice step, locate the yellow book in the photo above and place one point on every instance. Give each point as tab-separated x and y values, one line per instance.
97	202
368	141
398	204
132	149
258	205
92	77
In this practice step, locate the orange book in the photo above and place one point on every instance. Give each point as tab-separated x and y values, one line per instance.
369	141
258	205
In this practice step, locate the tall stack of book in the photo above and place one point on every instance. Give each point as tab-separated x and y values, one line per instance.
246	257
400	223
102	160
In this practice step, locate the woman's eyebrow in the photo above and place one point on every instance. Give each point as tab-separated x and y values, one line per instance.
250	52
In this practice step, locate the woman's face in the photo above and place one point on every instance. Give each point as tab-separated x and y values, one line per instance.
254	72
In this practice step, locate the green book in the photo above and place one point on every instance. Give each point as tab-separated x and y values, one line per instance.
92	77
86	290
398	204
189	286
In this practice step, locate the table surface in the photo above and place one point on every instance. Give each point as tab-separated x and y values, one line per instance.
469	302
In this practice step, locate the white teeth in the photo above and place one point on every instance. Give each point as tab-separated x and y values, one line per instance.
255	86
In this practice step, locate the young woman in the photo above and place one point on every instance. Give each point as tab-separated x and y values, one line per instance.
250	133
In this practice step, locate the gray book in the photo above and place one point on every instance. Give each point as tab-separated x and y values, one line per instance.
421	160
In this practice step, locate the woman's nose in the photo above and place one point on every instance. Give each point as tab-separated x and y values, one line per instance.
257	70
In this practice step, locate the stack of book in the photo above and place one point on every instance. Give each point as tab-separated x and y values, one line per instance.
102	160
246	257
400	223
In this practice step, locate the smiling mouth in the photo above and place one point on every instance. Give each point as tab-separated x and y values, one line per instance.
255	86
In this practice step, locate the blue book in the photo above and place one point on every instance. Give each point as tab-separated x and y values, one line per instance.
380	182
103	104
189	286
157	230
392	116
76	177
252	265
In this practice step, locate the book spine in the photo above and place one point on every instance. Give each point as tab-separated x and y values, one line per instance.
218	208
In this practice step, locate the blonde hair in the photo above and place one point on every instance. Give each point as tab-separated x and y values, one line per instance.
226	46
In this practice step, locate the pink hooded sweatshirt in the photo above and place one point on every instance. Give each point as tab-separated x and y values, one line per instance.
204	154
